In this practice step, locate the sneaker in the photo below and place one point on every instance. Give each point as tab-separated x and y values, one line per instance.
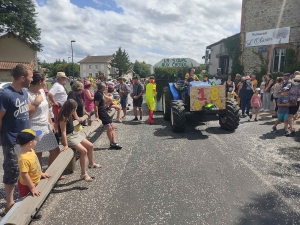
262	110
274	130
286	133
243	116
135	119
141	118
127	108
255	119
115	146
267	110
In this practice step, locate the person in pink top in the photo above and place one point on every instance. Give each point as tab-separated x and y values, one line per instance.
88	97
255	103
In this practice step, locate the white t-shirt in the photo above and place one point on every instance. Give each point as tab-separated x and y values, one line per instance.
59	93
40	117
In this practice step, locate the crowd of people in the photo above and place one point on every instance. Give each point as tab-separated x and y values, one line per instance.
284	92
34	120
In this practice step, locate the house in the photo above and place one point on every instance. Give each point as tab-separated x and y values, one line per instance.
13	51
269	39
91	66
271	32
217	59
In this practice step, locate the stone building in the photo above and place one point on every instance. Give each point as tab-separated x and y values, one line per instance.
92	65
263	47
270	38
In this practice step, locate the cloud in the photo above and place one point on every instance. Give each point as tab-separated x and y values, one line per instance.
147	30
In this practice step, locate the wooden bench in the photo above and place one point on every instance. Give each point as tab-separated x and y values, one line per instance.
25	208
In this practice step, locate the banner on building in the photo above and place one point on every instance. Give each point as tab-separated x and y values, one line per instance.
176	62
268	37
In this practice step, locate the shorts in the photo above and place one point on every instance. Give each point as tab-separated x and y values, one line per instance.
74	139
123	102
24	190
283	117
137	103
294	109
55	110
10	164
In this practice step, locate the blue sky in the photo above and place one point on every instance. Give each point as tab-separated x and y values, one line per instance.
103	5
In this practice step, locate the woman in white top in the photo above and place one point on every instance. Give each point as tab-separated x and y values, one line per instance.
40	118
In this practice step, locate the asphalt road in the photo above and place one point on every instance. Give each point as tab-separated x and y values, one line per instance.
203	176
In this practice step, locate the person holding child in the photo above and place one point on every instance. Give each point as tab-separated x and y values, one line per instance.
29	166
73	139
283	103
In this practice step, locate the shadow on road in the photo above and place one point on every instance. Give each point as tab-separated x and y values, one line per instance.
267	209
218	130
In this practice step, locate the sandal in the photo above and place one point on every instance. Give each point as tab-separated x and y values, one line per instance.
8	207
95	166
86	177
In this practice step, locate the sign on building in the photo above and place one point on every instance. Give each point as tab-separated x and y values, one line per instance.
176	62
268	37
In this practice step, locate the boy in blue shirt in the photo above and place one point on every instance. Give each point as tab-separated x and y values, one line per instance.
283	103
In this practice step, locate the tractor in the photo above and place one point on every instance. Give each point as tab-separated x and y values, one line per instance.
209	101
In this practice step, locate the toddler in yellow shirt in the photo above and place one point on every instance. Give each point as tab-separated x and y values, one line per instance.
30	168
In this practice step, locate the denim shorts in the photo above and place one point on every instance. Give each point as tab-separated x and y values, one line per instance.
10	164
123	101
283	116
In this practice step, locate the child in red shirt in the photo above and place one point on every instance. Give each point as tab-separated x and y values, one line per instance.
255	103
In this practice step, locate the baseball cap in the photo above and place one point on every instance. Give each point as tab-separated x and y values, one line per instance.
286	74
27	135
286	88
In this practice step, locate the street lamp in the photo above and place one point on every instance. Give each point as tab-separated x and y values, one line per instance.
72	57
69	66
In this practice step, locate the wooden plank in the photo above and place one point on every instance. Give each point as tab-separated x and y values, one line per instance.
203	95
25	208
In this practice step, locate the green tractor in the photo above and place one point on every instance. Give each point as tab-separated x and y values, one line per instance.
203	98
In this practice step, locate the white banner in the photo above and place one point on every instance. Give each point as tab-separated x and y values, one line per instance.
268	37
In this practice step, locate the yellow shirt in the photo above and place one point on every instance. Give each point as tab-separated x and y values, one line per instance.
254	84
150	91
195	76
29	163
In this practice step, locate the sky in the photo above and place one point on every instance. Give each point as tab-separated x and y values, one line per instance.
148	30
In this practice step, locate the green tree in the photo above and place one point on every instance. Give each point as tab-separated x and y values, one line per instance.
18	17
121	62
142	69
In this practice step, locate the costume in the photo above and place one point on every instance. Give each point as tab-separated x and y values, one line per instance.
150	99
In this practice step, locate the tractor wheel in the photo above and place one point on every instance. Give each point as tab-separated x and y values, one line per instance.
166	101
178	117
231	119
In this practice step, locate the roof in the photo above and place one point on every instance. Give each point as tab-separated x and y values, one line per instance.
97	59
219	42
10	65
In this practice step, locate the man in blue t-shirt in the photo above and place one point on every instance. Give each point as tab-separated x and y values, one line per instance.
14	117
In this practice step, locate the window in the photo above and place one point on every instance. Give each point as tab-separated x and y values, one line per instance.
279	60
90	67
96	74
96	67
90	74
84	67
102	67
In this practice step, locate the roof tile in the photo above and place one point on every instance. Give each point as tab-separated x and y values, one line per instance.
97	59
10	65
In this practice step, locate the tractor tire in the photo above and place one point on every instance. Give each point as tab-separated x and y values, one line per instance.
231	119
178	117
166	101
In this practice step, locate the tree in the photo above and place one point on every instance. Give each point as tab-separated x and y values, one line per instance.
142	69
121	63
18	17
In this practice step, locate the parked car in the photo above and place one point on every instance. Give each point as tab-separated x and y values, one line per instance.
4	85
